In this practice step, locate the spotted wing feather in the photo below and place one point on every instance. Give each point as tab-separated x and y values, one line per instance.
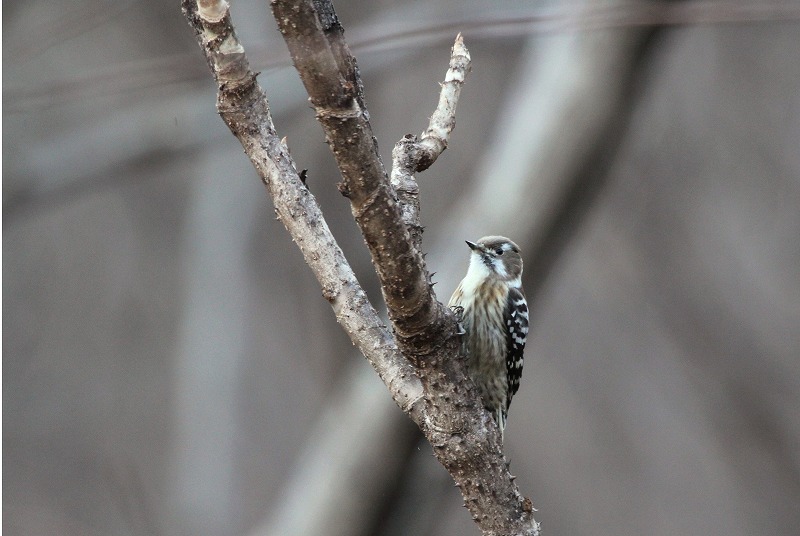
516	320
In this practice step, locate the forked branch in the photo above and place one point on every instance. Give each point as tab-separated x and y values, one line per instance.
422	369
332	79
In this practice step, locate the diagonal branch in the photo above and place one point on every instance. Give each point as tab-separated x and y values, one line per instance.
331	77
243	106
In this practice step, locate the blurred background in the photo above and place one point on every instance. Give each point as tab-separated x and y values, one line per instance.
170	367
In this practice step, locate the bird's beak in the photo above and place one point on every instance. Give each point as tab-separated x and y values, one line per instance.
472	245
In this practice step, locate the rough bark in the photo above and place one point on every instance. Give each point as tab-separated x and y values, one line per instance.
243	106
331	77
425	347
411	155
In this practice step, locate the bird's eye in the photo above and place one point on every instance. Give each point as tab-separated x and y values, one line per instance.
499	251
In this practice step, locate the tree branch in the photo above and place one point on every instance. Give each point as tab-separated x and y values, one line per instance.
444	404
331	77
243	106
411	155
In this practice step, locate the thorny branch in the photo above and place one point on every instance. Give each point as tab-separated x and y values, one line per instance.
420	365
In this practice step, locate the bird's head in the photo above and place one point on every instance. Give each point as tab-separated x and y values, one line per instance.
498	255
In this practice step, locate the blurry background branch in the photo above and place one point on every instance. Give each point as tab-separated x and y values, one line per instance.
146	363
370	38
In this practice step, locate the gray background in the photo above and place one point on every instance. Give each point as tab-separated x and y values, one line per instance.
170	365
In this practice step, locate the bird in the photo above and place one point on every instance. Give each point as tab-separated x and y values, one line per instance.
493	311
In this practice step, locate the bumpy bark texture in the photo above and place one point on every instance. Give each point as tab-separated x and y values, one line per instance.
420	365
